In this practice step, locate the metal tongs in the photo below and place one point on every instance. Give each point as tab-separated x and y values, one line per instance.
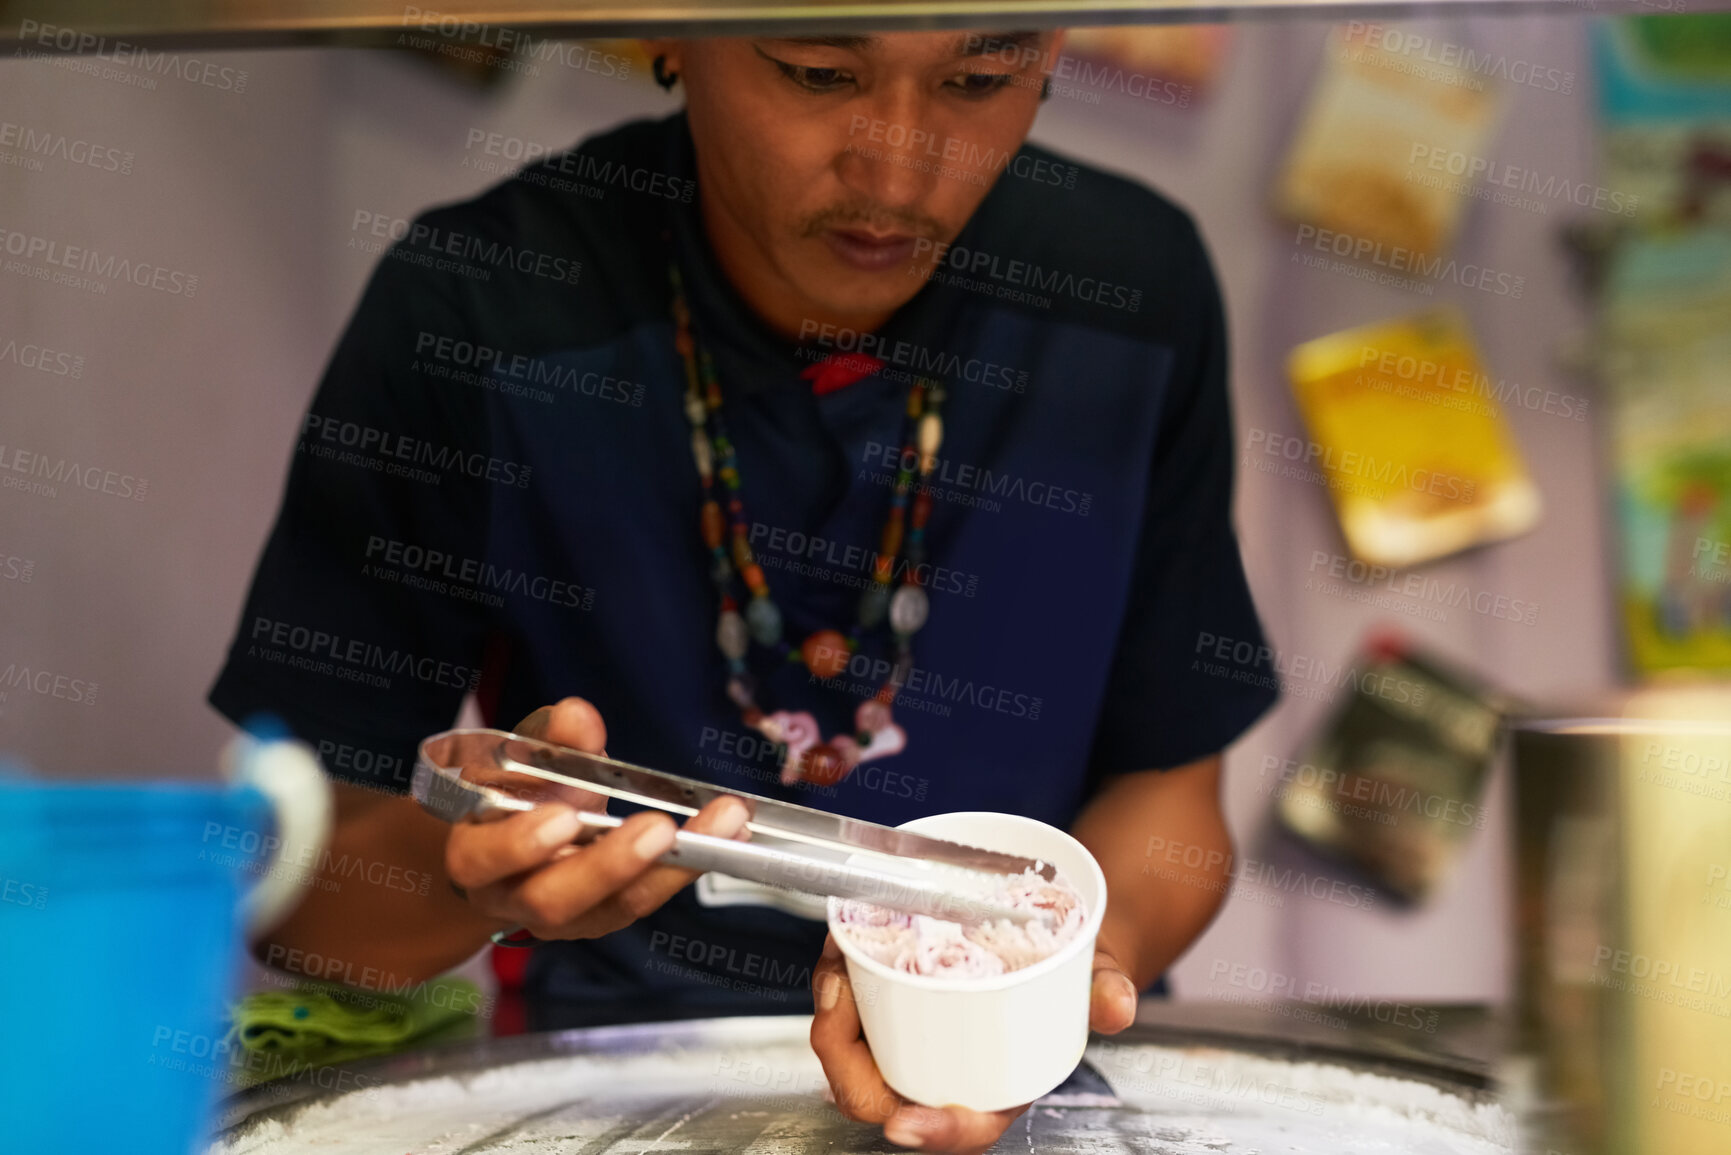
477	775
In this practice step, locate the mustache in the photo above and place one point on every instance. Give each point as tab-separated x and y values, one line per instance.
873	218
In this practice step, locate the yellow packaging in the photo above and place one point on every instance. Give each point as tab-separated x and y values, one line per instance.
1406	430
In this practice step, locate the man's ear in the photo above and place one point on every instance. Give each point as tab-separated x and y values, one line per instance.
1053	51
668	48
1049	61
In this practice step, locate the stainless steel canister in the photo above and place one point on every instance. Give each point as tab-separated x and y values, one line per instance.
1622	1013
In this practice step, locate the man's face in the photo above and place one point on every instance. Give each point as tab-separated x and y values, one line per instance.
825	162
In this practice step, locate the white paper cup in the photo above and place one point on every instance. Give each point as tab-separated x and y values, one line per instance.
987	1043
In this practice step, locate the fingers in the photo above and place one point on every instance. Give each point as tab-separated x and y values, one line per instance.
724	817
952	1129
860	1091
477	854
562	891
1112	997
571	722
524	868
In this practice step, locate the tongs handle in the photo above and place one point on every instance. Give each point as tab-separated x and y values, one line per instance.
796	869
787	860
452	797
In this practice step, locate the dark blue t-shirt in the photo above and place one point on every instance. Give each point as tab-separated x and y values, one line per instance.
494	491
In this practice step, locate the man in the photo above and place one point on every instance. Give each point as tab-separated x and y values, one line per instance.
920	356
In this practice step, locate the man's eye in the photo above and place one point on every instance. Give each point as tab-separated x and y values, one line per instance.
814	79
982	83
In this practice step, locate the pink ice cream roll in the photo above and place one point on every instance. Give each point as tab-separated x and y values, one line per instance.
989	1015
922	945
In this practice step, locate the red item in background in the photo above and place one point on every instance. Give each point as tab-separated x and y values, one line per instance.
839	370
510	1015
508	964
495	657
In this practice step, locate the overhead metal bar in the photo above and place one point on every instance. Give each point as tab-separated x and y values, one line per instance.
103	27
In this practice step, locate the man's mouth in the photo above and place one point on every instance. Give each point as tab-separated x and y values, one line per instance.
868	251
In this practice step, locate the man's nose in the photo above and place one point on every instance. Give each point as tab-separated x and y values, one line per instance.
894	158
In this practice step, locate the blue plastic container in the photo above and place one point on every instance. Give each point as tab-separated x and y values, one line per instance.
120	939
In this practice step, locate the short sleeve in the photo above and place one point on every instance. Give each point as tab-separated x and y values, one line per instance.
1169	699
350	634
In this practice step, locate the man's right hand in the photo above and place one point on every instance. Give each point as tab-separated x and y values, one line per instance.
524	871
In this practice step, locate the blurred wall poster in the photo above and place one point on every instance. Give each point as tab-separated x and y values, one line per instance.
1664	335
1187	54
1371	161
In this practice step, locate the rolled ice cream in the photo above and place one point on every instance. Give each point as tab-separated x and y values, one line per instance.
919	944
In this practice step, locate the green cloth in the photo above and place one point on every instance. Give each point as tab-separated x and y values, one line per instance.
314	1024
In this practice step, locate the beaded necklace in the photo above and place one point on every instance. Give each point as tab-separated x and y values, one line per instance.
824	652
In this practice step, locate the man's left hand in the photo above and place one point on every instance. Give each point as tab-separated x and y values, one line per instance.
861	1093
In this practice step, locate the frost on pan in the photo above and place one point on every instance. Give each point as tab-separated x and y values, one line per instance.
753	1085
931	946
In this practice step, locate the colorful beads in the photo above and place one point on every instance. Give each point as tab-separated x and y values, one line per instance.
741	690
874	603
731	635
892	544
823	765
908	609
714	525
871	716
931	436
825	653
764	619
